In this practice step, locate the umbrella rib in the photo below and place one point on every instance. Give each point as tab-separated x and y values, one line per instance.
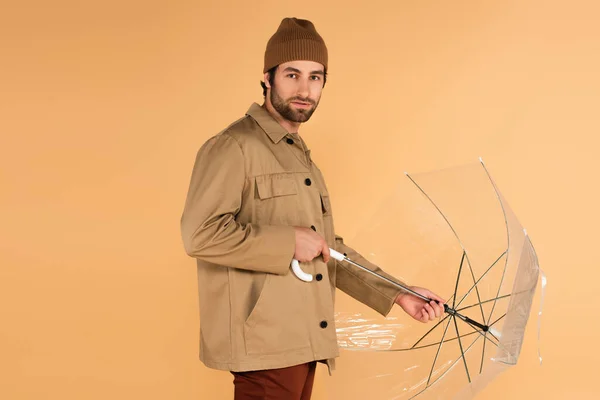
437	353
492	324
429	331
438	209
447	370
462	353
482	354
483	302
497	294
480	278
507	232
494	343
481	335
477	291
445	341
462	260
487	301
498	297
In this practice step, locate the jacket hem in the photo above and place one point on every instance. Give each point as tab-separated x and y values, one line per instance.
243	366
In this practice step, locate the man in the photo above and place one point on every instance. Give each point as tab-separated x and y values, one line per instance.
256	201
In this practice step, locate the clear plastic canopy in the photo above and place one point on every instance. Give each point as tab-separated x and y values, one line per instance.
452	232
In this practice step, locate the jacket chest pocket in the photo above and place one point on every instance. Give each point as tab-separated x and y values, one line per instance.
276	198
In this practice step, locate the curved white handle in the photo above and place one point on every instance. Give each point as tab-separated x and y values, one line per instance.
308	277
299	273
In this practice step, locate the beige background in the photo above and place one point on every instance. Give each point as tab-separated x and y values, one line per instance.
103	106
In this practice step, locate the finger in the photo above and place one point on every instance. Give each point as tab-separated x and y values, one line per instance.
434	296
424	316
442	310
442	307
434	312
325	252
438	301
437	309
430	311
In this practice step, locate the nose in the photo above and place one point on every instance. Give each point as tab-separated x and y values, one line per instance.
303	88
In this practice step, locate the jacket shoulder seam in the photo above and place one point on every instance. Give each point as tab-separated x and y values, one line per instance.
227	135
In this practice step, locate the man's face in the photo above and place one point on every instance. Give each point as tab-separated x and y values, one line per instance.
296	90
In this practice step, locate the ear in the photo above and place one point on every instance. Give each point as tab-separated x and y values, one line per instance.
266	80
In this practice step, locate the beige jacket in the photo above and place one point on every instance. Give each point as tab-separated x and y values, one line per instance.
250	185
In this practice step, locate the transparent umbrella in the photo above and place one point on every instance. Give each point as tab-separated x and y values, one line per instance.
452	232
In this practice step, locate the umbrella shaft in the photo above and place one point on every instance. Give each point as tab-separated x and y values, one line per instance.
447	309
469	321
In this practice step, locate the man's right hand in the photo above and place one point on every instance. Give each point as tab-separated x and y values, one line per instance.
309	244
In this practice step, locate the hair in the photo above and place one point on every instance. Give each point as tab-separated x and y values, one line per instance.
271	73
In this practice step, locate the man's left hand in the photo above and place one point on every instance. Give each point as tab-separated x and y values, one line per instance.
420	309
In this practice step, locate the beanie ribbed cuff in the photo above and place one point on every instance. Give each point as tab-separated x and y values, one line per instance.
301	49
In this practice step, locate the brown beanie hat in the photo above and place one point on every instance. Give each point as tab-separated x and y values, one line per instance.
295	39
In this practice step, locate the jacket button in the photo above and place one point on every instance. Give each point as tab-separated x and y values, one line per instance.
319	277
289	141
307	182
313	228
323	324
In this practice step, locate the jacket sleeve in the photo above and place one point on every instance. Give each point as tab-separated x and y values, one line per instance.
209	228
363	286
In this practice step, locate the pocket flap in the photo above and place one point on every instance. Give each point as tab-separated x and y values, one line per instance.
274	185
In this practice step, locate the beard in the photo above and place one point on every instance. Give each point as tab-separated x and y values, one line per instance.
286	110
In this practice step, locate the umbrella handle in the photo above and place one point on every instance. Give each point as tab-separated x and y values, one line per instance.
308	277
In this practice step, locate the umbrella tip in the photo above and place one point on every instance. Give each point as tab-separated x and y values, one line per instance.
481	160
525	231
405	173
495	332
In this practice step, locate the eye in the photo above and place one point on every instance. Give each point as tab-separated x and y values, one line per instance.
315	77
291	75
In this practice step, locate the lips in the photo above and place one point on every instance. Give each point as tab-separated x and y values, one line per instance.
301	104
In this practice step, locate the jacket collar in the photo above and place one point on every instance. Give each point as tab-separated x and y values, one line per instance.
268	124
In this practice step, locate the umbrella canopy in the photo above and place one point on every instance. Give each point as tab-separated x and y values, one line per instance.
453	233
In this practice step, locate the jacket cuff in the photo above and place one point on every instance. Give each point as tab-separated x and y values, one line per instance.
380	299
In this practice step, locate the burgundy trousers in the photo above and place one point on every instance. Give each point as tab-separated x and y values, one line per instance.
290	383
